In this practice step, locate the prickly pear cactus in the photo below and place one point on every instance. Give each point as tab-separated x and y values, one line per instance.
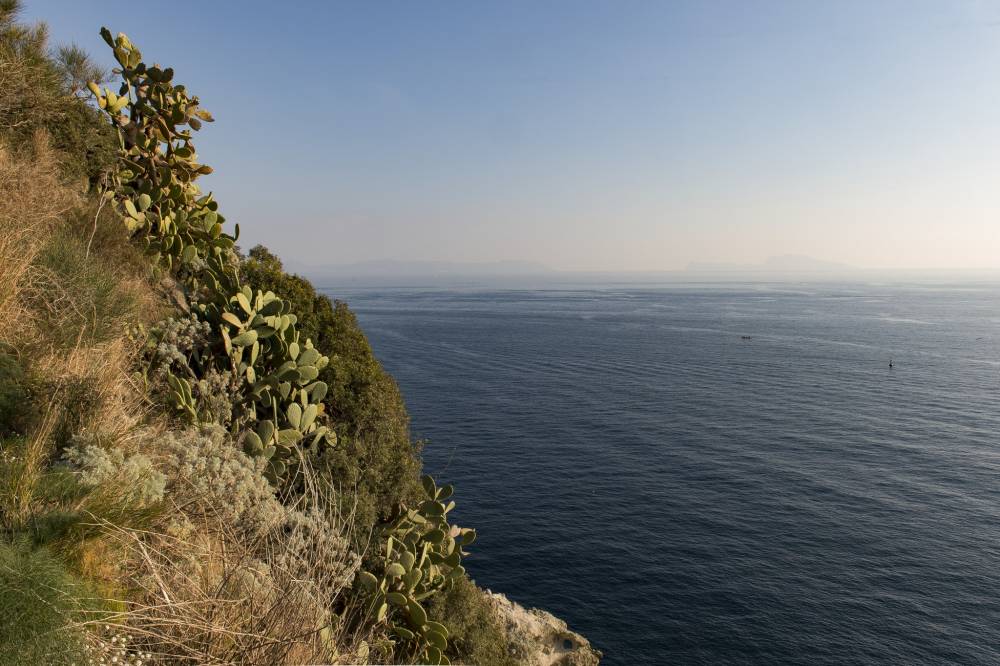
422	555
154	189
284	398
154	186
252	342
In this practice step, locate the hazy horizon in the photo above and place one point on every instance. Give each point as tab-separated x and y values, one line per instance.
795	265
521	276
590	136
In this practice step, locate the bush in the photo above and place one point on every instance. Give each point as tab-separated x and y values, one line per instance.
476	636
374	458
39	96
213	480
95	466
209	476
231	574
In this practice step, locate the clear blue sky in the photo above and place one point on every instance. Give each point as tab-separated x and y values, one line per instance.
589	135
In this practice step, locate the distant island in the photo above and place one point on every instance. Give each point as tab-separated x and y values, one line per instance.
390	267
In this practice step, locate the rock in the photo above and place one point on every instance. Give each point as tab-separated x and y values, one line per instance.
173	293
538	638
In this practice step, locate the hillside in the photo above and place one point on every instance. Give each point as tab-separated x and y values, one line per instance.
201	460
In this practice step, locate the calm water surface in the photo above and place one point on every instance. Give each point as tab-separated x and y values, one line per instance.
680	494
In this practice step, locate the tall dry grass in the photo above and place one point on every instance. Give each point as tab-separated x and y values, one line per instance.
32	201
207	589
65	316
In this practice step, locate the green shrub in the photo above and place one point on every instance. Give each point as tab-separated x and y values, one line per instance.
375	457
39	599
375	460
94	466
476	635
39	95
263	270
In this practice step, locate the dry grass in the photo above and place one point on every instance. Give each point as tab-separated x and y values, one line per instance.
112	404
84	390
205	590
66	316
28	85
21	467
32	201
66	312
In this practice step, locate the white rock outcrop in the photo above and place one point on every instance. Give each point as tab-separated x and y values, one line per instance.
538	638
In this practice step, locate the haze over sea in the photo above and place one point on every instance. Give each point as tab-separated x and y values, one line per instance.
681	494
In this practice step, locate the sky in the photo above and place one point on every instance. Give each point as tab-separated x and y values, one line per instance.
588	136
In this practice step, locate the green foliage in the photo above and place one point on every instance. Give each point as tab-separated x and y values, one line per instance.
286	398
39	599
421	556
289	361
263	270
154	185
476	634
374	456
77	68
76	130
38	94
279	404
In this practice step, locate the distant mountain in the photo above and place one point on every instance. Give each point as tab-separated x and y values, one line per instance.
389	268
786	263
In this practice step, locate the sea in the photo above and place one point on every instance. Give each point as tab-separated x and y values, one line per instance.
719	473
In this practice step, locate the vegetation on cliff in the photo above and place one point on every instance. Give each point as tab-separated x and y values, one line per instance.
201	460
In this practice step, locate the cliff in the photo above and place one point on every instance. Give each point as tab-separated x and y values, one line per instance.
201	459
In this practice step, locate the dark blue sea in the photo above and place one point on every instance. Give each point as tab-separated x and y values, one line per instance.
680	494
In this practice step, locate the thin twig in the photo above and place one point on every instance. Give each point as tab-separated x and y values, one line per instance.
97	215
